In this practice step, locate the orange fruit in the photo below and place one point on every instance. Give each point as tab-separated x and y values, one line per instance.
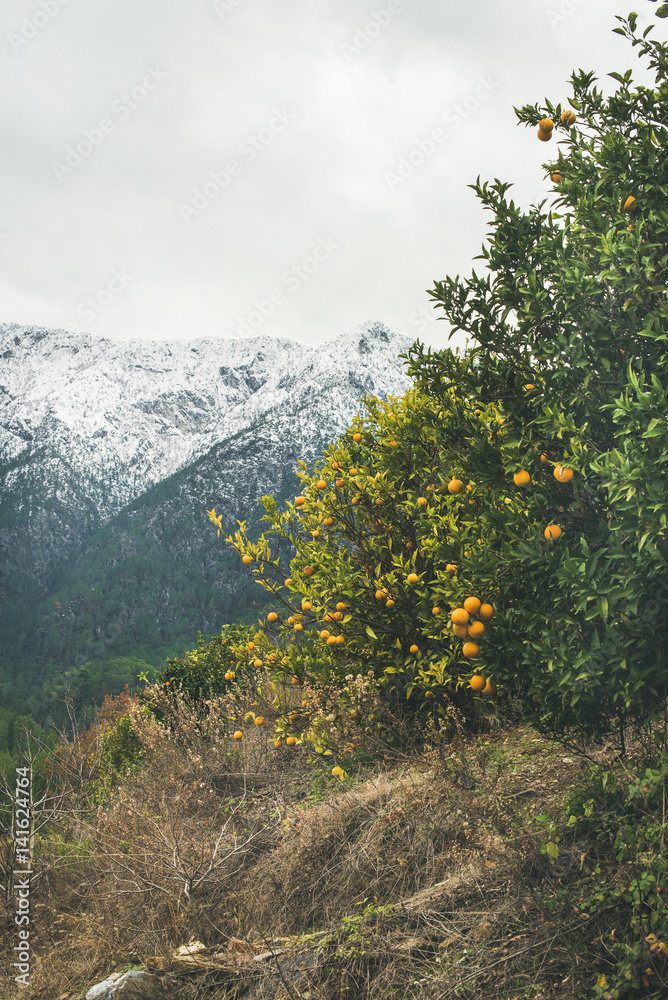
353	472
288	581
229	676
629	204
379	501
563	473
568	118
544	136
337	771
389	604
461	631
414	649
460	616
455	486
552	531
489	689
340	606
486	612
238	735
257	663
247	560
412	578
340	483
335	465
472	605
429	694
556	177
322	484
328	522
477	682
451	568
546	124
308	571
435	611
338	615
379	595
291	741
299	627
306	605
277	743
393	444
295	680
422	501
324	634
357	437
409	545
291	620
331	640
340	640
259	721
300	501
545	458
471	649
529	385
521	478
476	630
272	616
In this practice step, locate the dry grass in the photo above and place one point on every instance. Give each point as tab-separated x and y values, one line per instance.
423	879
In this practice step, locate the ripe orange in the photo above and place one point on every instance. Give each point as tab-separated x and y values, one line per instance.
460	616
486	612
306	605
422	501
247	560
461	631
489	689
568	118
229	676
393	444
288	581
556	177
409	545
529	385
291	741
291	620
299	627
337	771
414	649
521	478
544	136
259	721
277	743
308	571
357	437
476	630
379	595
272	616
429	694
340	606
300	501
335	465
389	604
629	205
546	124
412	578
435	611
324	634
295	680
451	568
477	682
340	640
338	615
257	663
471	649
563	473
379	501
328	522
455	486
340	483
472	605
552	531
353	472
322	484
545	458
238	735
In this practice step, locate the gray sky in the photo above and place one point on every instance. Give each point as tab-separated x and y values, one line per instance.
185	168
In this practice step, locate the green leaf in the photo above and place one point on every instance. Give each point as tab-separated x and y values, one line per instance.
662	11
370	632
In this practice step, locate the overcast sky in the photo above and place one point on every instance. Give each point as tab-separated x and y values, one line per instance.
184	168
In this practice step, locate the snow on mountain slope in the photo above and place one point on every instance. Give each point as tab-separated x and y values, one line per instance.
119	417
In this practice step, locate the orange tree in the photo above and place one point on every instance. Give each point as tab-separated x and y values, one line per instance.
570	325
370	560
552	431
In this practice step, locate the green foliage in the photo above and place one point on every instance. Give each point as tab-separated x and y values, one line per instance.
201	673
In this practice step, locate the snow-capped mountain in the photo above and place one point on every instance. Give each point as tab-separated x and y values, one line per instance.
124	416
110	455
